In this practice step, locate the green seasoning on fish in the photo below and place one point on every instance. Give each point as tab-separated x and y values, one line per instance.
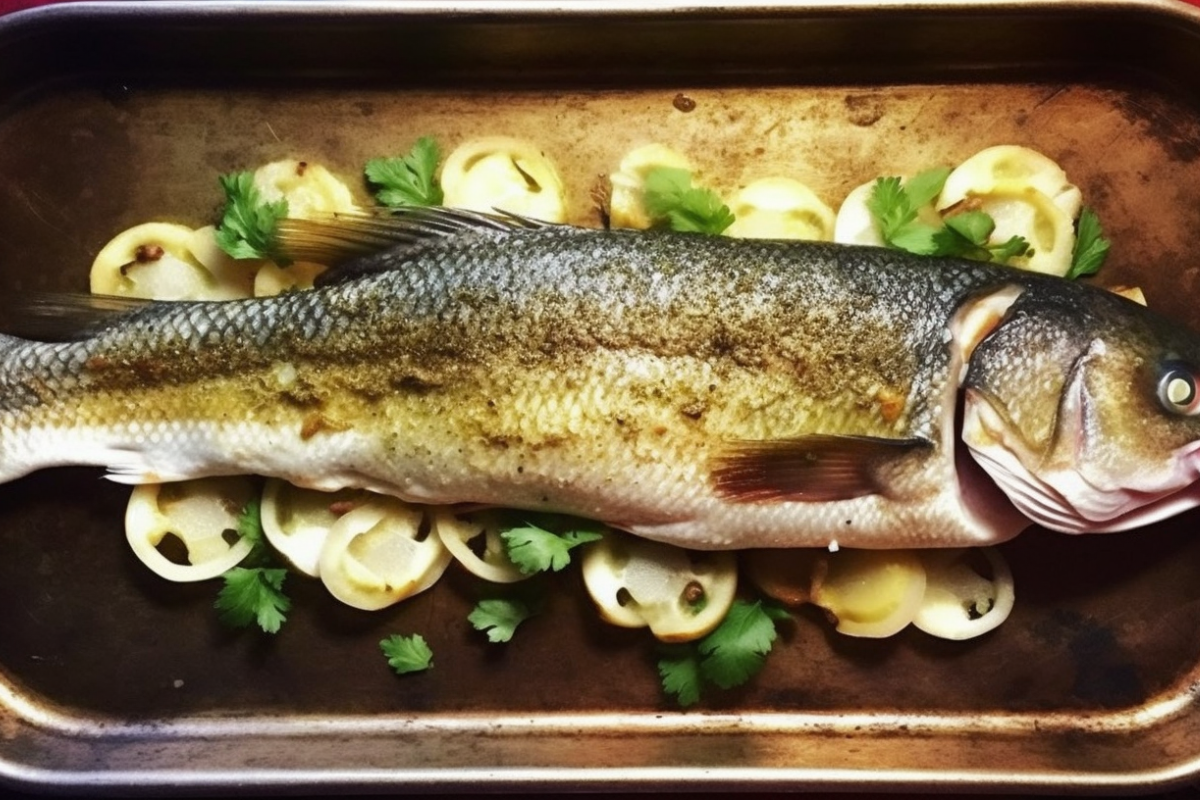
706	392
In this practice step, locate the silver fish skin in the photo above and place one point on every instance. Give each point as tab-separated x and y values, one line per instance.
705	392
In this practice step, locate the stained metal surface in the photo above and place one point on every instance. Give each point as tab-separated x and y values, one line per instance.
111	680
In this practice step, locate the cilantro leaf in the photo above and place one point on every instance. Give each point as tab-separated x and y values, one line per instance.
534	549
923	187
1091	248
670	197
1015	247
407	654
735	652
679	669
974	226
408	180
247	228
253	595
499	617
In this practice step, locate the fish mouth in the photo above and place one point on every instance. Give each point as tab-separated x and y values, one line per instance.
1063	498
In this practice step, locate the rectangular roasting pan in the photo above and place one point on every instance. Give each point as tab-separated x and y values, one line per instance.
113	114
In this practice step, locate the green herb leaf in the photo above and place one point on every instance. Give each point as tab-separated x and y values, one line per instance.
670	197
1091	248
408	180
534	549
735	652
1015	247
407	654
499	617
974	226
253	595
679	669
923	187
248	225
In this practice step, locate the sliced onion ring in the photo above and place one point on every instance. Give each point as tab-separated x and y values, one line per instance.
458	530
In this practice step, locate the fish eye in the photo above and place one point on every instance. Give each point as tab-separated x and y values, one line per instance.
1177	388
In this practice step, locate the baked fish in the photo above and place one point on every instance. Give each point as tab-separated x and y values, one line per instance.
701	391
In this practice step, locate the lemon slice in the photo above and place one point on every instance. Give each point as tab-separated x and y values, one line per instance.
1007	167
506	174
380	553
626	205
870	593
297	521
961	601
1026	211
310	189
156	261
474	540
679	594
198	519
854	223
780	208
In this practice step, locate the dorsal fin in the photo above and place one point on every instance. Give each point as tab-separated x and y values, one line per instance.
344	238
63	316
816	468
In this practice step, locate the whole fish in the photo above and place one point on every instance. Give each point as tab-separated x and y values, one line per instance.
707	392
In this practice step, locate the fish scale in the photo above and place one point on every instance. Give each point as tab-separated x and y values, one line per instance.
696	390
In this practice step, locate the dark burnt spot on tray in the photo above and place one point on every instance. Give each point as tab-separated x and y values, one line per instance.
1178	136
864	110
1105	673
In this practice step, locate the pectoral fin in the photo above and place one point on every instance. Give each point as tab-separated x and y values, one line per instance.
814	469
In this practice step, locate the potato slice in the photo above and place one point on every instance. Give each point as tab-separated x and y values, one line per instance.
380	553
158	261
1026	211
198	517
870	593
272	279
297	521
627	206
506	174
460	531
679	594
962	600
310	189
780	208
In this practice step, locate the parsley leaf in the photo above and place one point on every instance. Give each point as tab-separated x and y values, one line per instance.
253	595
1091	248
535	549
499	617
734	652
679	669
729	656
247	228
407	654
408	180
670	197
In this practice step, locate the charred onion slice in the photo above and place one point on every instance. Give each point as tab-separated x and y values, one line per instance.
627	204
474	540
159	261
780	208
679	594
961	601
297	521
380	553
197	519
506	174
870	593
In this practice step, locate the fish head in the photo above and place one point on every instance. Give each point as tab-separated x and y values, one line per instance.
1084	408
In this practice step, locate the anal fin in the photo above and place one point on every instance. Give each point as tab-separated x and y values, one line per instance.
815	469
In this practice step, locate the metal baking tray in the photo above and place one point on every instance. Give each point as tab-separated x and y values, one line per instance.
113	114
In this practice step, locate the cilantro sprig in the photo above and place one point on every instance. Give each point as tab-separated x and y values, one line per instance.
536	549
406	654
729	656
254	593
896	209
248	223
671	199
500	616
407	180
1091	248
